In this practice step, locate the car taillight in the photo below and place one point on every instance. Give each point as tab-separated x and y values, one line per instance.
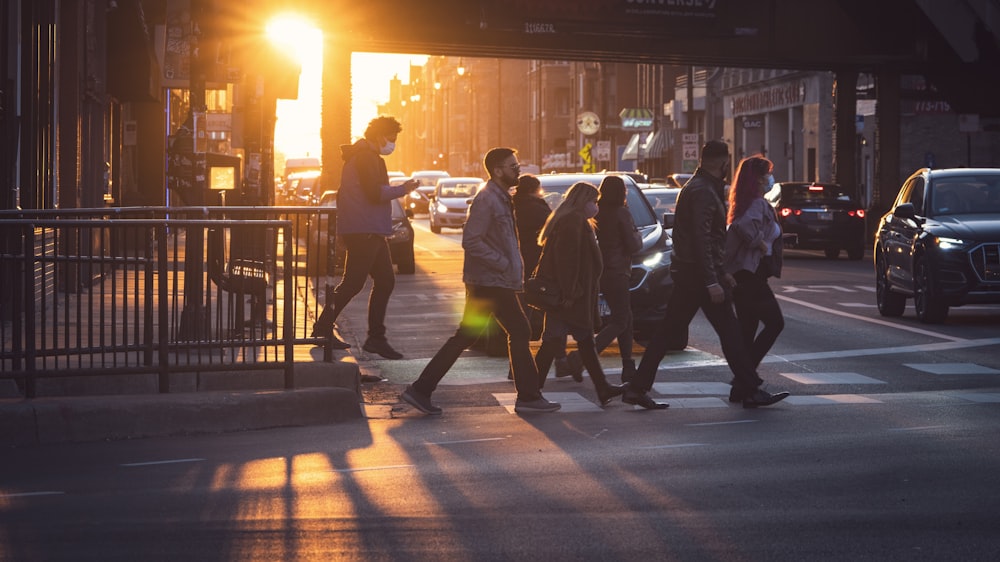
785	211
860	213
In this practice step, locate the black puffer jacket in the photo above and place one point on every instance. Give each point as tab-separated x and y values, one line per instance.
700	227
530	213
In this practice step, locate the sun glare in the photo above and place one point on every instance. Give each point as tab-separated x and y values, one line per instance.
295	35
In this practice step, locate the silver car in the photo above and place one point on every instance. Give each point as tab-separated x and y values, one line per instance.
450	202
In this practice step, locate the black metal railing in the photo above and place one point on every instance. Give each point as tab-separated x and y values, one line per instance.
158	290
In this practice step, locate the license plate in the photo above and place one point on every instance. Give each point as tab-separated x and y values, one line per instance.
602	307
825	216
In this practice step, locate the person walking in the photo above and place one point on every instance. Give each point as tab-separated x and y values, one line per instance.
493	275
364	221
618	239
571	258
700	282
530	212
753	253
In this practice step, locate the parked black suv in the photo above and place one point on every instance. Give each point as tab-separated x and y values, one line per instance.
940	243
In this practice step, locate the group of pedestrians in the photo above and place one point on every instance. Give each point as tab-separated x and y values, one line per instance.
585	247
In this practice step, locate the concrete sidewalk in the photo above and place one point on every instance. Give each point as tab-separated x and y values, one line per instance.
325	393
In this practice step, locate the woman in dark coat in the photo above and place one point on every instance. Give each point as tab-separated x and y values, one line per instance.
571	257
530	212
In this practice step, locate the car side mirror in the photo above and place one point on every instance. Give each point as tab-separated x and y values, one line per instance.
905	211
668	220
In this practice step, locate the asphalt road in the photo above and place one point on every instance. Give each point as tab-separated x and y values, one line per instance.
887	450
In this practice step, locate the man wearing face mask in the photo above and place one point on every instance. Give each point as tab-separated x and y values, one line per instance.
364	221
701	282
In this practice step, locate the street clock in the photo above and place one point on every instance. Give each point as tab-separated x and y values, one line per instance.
588	123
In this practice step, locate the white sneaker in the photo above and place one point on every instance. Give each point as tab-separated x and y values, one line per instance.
539	404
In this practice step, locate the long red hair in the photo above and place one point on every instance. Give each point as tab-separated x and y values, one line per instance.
746	184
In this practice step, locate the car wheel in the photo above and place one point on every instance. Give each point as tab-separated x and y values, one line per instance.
407	266
831	253
435	228
889	303
930	307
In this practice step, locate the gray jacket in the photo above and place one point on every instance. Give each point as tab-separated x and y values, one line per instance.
492	258
745	234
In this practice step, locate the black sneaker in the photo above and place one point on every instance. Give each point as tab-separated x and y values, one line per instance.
327	333
419	401
381	347
763	398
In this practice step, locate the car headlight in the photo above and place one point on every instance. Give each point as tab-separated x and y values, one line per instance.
441	208
657	259
946	243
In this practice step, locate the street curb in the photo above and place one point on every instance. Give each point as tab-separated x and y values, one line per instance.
96	418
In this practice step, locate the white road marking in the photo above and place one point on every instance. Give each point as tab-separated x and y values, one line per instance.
677	446
829	399
831	378
733	422
851	353
31	494
952	368
365	468
979	397
923	428
152	463
868	319
463	441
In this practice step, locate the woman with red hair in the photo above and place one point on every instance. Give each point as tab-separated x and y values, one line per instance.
753	253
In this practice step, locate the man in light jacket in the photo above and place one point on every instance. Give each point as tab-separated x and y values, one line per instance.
493	275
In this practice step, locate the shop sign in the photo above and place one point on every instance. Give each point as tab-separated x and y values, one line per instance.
636	119
769	99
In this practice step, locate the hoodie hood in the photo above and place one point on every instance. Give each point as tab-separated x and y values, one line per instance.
347	151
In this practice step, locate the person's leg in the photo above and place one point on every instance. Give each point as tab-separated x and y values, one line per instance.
553	340
588	354
687	295
472	325
735	350
383	282
616	294
509	315
773	320
743	302
357	264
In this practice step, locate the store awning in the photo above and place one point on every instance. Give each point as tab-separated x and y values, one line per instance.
657	145
638	146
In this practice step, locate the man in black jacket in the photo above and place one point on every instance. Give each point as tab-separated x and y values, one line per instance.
701	283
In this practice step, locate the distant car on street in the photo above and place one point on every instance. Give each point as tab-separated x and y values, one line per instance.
418	200
677	180
940	243
450	202
820	216
662	199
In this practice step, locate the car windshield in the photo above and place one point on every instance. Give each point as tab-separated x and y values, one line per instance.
959	195
662	201
796	193
459	190
554	187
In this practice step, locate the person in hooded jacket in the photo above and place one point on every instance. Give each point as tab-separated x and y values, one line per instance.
530	212
364	221
571	258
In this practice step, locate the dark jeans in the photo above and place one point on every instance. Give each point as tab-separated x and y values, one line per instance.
614	287
689	296
554	341
755	305
480	303
367	256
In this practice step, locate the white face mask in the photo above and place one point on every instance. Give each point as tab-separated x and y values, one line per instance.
388	148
